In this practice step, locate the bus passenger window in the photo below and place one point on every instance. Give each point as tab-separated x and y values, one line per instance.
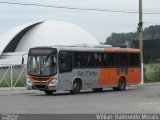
78	59
105	59
65	62
110	59
134	59
78	62
100	59
91	60
123	59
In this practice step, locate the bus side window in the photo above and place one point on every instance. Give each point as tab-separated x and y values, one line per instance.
105	59
65	62
134	59
123	59
97	59
110	59
100	59
77	60
88	59
91	60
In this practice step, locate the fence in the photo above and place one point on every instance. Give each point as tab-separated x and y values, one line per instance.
13	76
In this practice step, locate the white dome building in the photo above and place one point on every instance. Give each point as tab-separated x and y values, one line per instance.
17	41
49	33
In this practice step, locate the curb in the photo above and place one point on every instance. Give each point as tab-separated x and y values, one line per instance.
10	89
149	84
15	91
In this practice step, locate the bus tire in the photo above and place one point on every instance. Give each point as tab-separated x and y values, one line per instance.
97	89
122	84
48	92
76	87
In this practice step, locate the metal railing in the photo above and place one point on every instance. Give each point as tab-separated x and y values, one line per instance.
13	76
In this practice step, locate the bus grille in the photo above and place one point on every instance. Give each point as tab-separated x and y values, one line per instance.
40	86
40	78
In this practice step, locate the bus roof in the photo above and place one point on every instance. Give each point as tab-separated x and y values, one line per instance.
93	48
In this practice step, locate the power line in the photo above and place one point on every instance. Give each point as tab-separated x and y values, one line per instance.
77	8
65	7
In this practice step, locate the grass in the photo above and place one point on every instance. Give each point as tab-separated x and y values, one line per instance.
154	96
152	72
19	83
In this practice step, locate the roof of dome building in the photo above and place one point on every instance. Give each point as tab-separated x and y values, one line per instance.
48	33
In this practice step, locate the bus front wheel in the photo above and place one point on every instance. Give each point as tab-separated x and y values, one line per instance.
76	87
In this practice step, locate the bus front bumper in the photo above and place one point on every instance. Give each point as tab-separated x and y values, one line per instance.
42	87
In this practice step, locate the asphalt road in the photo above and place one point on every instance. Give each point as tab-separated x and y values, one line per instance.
136	99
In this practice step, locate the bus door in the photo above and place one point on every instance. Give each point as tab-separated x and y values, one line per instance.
65	71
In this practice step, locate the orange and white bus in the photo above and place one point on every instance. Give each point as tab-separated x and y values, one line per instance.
73	68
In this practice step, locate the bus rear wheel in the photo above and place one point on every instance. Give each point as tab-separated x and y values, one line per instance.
48	92
121	85
76	87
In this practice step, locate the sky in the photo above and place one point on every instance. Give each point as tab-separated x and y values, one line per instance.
99	23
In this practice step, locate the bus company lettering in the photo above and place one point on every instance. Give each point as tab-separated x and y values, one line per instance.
87	73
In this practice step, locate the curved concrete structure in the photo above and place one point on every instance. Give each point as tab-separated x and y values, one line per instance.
55	33
48	33
13	36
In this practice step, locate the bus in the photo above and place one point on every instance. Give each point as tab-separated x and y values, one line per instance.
76	68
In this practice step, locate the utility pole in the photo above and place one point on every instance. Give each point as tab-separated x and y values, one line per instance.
140	31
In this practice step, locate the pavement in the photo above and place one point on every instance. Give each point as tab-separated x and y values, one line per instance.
15	91
135	99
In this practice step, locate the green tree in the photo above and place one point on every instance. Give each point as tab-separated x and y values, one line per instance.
117	39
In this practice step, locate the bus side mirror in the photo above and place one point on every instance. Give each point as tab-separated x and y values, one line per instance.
22	60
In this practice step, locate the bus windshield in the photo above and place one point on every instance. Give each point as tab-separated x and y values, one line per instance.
42	64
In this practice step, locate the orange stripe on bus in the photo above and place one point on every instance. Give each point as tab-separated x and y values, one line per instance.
108	76
34	79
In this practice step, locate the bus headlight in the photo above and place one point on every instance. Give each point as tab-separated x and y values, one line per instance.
53	81
29	82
